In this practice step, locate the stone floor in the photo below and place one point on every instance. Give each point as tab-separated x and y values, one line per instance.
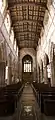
27	107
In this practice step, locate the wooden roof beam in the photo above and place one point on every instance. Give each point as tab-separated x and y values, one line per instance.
27	40
25	32
14	4
26	21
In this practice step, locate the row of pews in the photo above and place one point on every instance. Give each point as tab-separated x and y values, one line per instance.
9	96
45	96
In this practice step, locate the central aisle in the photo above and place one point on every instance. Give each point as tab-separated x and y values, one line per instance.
29	109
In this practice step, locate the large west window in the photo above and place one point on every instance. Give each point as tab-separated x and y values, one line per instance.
27	66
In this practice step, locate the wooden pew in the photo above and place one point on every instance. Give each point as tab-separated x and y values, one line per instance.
46	95
8	99
40	87
7	107
49	107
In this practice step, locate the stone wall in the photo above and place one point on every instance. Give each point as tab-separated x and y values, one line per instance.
24	52
47	39
8	55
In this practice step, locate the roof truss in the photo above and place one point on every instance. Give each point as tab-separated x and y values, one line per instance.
27	19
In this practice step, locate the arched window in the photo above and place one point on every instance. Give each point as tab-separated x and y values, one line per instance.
53	3
2	5
27	66
6	73
12	35
17	51
7	22
27	63
15	45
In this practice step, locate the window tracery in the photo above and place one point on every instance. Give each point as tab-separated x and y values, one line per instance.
27	66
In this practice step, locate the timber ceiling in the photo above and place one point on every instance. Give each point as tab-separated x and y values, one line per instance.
27	19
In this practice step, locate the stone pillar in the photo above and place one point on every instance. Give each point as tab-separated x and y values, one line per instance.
18	62
34	74
45	69
52	54
41	72
10	74
19	67
38	73
10	68
2	73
